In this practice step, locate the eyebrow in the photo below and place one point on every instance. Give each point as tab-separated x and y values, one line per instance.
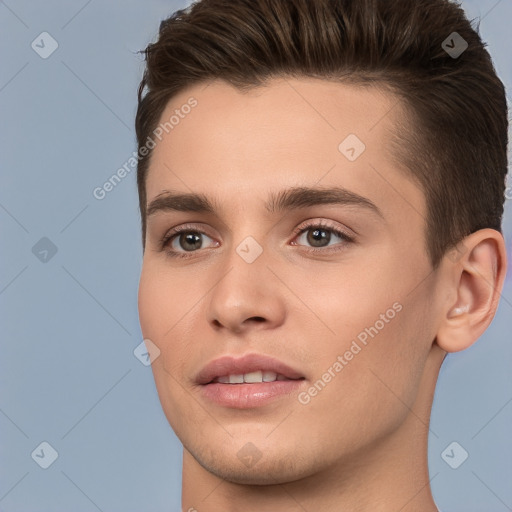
285	200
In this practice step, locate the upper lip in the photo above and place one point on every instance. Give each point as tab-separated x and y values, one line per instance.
230	365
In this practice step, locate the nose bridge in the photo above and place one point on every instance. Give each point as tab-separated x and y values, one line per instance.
246	289
245	273
248	251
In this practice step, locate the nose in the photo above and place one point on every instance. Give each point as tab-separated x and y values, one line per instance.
247	296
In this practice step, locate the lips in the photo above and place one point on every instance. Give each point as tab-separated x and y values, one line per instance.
232	369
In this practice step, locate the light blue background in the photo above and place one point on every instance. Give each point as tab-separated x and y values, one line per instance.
69	326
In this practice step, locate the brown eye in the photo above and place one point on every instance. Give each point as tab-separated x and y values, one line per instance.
184	241
190	241
320	236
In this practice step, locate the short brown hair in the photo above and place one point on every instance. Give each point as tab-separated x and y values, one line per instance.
455	146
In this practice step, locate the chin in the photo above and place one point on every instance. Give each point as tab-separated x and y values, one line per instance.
269	470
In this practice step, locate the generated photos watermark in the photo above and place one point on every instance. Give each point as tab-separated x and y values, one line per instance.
101	192
361	341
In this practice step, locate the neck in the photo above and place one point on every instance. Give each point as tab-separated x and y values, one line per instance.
389	475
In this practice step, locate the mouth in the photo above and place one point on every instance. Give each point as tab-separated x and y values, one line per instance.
249	381
251	368
252	378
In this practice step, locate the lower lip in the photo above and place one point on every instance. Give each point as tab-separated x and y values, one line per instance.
245	396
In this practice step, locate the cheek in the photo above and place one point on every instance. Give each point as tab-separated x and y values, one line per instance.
342	304
159	316
164	298
167	306
378	329
377	386
151	303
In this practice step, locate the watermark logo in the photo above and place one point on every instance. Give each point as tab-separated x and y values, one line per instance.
249	250
44	455
508	189
352	147
44	45
454	455
249	454
146	352
44	250
454	45
455	254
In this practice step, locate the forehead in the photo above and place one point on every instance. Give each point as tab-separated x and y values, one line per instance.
237	146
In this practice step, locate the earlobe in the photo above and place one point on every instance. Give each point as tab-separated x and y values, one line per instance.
477	279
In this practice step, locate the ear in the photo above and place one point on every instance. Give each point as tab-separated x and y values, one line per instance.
478	266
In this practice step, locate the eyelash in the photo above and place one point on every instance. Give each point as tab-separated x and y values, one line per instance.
169	237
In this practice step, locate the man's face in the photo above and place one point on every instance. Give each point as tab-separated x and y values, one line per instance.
336	291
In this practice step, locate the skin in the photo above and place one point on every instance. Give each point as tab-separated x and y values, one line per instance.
361	443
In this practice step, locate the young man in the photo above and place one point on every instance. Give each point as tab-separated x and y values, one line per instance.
321	189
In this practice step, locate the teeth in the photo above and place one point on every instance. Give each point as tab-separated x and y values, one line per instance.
269	376
253	377
250	378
